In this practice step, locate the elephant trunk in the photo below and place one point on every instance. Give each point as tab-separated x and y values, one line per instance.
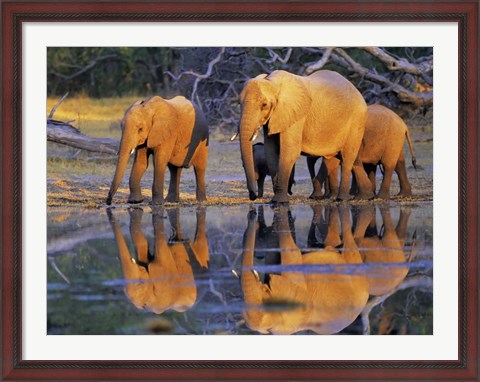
123	155
247	130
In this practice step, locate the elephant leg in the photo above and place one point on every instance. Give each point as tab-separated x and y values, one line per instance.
344	189
401	170
160	163
384	192
317	179
260	183
139	240
200	167
363	183
139	167
371	170
200	243
402	225
174	186
288	156
291	181
332	236
271	153
332	165
176	229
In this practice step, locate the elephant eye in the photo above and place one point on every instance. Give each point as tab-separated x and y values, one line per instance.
264	105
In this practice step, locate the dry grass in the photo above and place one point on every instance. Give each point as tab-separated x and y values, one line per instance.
83	179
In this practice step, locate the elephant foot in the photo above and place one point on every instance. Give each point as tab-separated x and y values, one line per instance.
109	201
316	196
134	200
201	198
383	195
365	196
344	197
279	199
158	201
172	199
252	195
405	194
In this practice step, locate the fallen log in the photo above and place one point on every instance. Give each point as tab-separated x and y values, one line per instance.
67	134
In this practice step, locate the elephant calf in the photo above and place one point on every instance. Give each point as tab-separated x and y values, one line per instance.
262	170
176	133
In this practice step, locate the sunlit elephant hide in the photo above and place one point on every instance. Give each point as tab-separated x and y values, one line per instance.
383	249
322	114
175	132
382	145
302	295
165	278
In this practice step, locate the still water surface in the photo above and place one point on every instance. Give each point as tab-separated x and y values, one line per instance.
303	269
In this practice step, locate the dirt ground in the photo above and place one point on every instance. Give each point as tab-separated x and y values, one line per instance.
83	179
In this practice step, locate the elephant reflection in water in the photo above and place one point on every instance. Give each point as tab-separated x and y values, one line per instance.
383	250
164	279
295	300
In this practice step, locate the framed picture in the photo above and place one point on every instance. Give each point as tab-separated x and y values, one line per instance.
217	278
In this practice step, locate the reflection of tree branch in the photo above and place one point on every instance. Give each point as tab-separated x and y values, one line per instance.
424	282
70	240
55	267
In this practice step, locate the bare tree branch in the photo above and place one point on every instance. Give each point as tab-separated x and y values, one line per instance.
401	64
320	63
66	134
199	76
405	95
276	57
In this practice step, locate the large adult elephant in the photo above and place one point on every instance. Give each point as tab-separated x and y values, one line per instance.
295	297
176	133
164	278
322	114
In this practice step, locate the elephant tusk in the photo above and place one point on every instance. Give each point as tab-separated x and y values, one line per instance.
235	273
257	276
254	136
133	260
131	152
234	136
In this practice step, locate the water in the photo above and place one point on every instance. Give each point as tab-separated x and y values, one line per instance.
303	269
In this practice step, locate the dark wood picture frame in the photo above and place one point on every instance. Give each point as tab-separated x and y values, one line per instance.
14	13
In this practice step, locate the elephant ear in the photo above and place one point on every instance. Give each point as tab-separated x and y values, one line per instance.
164	124
292	104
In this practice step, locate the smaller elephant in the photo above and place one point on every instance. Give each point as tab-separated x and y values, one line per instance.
175	133
262	170
383	251
382	144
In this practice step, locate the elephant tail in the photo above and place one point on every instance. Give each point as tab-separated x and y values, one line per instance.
414	160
